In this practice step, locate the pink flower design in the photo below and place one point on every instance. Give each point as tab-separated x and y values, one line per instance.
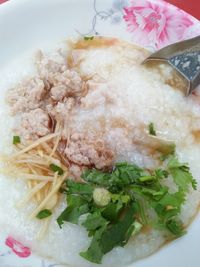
18	248
156	22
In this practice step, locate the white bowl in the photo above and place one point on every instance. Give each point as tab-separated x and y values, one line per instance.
26	26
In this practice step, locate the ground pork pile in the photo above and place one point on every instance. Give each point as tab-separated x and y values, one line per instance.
50	98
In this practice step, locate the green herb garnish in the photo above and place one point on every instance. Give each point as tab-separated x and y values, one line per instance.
181	174
56	168
114	206
152	129
77	206
16	139
44	214
88	38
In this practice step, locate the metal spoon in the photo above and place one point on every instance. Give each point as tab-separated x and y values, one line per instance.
184	57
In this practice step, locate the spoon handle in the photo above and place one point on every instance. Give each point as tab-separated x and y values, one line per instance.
185	58
187	61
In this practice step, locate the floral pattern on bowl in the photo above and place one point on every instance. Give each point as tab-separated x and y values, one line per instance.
20	250
149	23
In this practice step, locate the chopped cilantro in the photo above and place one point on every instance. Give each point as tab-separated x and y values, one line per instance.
110	237
56	168
94	253
76	207
112	211
152	129
94	221
181	174
16	140
119	233
88	38
175	227
116	203
44	214
122	175
160	173
84	190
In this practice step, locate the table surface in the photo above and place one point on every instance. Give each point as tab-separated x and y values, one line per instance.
190	6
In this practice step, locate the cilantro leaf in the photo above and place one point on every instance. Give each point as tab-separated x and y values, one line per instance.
96	177
118	234
168	208
77	206
155	194
123	174
120	198
181	174
84	190
175	227
107	238
151	129
16	140
94	253
147	179
56	168
44	214
88	38
169	205
160	173
94	221
111	211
